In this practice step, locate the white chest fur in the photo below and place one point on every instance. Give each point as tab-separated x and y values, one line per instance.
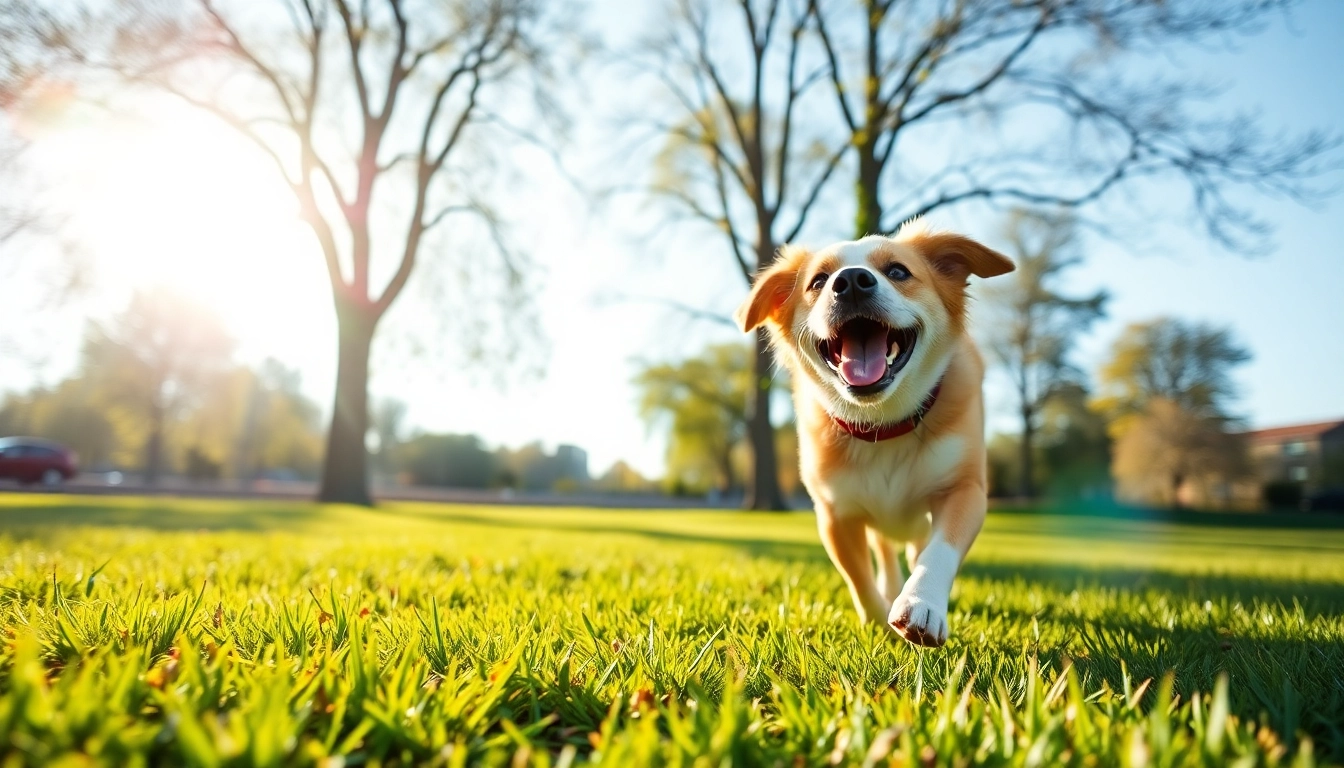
890	482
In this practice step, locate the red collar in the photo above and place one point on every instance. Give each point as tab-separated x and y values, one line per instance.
895	429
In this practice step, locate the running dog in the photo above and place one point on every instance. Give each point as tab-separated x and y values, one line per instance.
887	393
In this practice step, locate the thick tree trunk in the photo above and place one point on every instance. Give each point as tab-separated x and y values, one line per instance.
763	491
1028	456
345	471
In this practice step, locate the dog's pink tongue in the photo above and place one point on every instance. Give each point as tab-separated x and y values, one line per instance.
863	358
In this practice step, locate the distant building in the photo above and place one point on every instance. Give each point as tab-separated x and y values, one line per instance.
531	467
573	462
1310	456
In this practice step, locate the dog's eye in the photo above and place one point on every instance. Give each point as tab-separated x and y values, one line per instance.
818	282
898	272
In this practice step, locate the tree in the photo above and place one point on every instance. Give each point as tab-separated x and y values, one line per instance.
1033	326
1071	451
703	402
155	359
1170	455
736	157
70	413
906	76
280	427
367	117
1075	447
622	478
235	421
1188	364
1168	389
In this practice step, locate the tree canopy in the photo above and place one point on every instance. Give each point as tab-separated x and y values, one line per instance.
1187	363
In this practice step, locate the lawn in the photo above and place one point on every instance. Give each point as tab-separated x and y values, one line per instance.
159	631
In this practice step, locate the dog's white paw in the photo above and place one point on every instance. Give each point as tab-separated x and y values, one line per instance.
919	621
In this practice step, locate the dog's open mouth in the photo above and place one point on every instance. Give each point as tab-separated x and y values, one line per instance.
867	354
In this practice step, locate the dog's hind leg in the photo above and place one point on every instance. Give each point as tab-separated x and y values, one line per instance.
845	542
912	552
890	579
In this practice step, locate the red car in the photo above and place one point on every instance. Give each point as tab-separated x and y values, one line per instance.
31	460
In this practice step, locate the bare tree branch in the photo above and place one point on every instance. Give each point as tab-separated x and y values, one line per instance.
991	77
810	200
355	31
236	45
833	68
992	57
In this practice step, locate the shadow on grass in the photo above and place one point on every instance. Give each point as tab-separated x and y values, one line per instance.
1315	598
1293	686
1294	683
41	520
611	524
1083	512
166	514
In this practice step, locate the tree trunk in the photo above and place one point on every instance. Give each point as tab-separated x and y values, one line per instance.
726	470
345	471
154	445
868	217
763	491
1027	456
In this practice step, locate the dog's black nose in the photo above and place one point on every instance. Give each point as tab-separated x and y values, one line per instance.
853	283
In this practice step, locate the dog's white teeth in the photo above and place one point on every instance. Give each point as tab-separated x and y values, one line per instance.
895	351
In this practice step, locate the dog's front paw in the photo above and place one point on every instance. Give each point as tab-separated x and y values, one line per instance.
919	621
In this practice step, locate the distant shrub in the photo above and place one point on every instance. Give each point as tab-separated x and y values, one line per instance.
1282	494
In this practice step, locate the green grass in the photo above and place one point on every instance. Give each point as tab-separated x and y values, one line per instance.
156	631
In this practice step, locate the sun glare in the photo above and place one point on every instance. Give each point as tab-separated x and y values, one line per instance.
184	202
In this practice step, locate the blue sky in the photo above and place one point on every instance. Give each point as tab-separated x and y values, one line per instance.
1286	305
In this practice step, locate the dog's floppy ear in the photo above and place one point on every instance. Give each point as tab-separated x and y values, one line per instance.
771	289
958	257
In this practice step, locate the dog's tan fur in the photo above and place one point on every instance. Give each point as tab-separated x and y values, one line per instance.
925	489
